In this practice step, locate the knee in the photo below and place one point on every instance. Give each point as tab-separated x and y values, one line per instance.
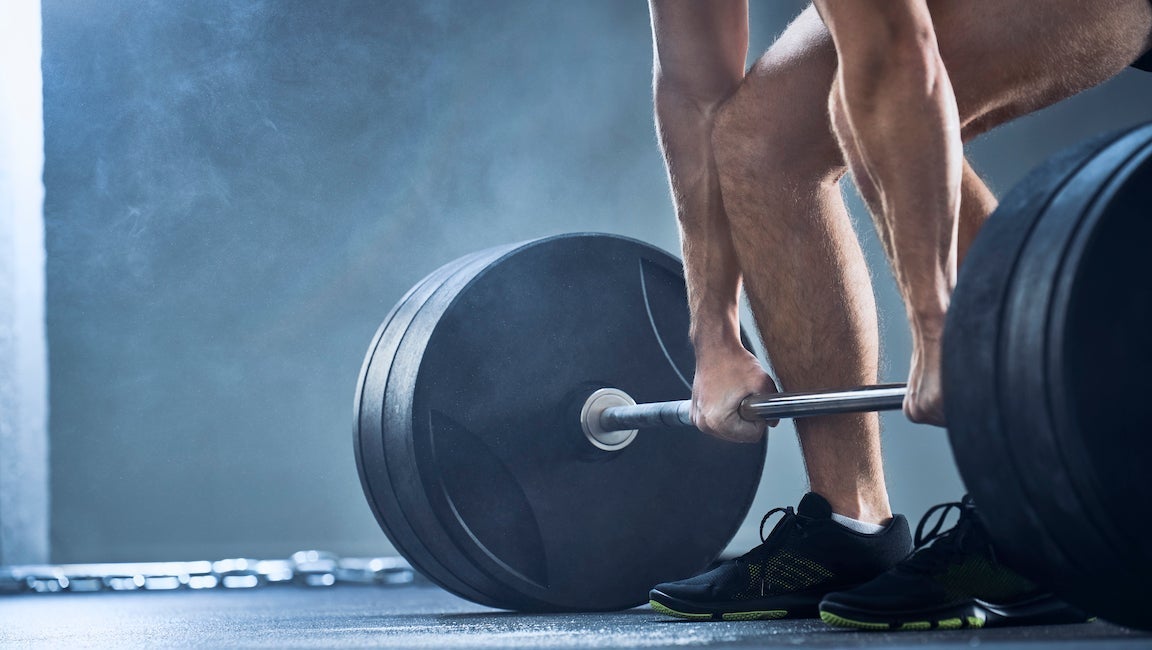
761	134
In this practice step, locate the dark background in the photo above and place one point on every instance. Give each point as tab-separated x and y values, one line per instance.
238	191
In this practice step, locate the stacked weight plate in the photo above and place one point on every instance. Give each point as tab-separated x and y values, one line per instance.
468	439
1048	373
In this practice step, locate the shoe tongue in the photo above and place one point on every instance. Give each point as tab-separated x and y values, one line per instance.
814	506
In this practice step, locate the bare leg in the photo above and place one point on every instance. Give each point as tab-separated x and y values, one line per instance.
803	268
976	204
804	273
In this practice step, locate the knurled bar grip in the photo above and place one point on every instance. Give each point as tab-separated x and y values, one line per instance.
883	397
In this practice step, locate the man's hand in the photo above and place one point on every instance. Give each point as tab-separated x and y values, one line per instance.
924	402
723	380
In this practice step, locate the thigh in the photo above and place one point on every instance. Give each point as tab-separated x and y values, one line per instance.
1008	58
700	47
1005	59
782	104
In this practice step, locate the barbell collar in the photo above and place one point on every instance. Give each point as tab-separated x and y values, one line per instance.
882	397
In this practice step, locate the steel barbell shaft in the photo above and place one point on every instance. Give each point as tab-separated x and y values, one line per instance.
883	397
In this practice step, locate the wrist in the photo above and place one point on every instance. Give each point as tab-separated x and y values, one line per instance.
716	340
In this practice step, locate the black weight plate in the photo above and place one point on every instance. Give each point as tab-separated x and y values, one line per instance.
483	448
1057	479
1025	489
369	448
438	560
1105	300
971	360
1095	358
1040	495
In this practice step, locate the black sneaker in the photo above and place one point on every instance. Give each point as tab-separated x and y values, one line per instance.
806	556
953	583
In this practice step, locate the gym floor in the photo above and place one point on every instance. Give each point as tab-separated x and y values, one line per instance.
425	616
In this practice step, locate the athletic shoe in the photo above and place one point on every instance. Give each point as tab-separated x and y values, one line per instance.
951	581
806	555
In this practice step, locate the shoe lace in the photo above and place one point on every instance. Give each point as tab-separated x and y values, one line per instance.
944	509
775	538
938	546
789	513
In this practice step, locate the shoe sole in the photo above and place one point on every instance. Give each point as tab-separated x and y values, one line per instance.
952	623
791	607
1045	610
770	614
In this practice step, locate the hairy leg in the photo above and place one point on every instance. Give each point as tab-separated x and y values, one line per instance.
976	204
803	269
905	88
804	273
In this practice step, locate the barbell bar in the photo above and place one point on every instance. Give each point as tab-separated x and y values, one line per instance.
611	419
881	397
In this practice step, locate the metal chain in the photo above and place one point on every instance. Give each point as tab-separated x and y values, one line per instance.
304	568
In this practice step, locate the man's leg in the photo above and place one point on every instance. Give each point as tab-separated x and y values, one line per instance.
804	273
976	204
803	269
782	211
775	174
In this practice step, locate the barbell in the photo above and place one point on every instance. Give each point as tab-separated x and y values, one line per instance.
611	419
513	443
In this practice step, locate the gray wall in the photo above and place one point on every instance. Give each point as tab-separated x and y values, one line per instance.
238	191
23	360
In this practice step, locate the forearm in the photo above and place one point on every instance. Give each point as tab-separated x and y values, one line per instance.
711	270
902	114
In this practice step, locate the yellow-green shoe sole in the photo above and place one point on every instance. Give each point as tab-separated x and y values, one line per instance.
763	615
760	615
942	624
668	611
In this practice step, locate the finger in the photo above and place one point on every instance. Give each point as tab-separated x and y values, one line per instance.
742	430
721	425
908	407
708	424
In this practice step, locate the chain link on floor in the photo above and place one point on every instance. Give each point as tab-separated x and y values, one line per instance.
304	569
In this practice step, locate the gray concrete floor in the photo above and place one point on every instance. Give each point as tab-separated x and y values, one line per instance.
423	616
